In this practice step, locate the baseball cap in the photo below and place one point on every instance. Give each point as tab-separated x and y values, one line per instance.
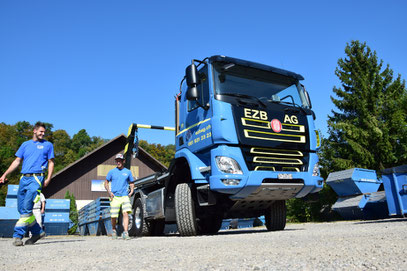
119	156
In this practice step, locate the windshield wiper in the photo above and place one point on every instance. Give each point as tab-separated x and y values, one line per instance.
292	103
240	95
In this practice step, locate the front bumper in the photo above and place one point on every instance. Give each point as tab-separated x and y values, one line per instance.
262	185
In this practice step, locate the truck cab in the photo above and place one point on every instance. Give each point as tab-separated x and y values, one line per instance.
245	143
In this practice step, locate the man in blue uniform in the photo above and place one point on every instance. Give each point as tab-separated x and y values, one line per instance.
36	155
120	178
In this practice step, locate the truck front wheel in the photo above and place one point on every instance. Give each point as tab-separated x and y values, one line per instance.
275	216
185	211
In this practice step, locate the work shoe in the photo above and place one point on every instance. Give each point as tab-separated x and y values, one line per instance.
126	235
114	234
34	238
17	242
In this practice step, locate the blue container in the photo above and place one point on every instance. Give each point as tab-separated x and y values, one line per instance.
225	224
93	212
56	223
395	185
83	230
245	223
56	217
353	181
95	228
12	191
9	213
11	202
56	228
7	228
367	206
8	219
57	205
107	222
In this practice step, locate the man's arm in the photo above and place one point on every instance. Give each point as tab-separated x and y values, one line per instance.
108	190
51	165
131	189
42	207
12	167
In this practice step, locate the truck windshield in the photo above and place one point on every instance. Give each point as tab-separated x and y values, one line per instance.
240	81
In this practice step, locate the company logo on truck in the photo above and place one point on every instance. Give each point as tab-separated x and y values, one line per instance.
276	125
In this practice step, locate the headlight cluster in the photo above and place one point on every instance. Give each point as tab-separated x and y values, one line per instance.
315	171
228	165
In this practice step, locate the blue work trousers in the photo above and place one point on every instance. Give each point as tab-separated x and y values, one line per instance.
28	192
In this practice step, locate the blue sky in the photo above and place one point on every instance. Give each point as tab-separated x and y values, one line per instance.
101	65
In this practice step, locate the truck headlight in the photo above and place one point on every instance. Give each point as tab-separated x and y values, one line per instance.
228	165
315	171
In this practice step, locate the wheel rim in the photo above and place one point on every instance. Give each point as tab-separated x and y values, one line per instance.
137	218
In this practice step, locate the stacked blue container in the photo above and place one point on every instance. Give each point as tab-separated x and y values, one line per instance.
90	217
56	221
9	214
358	197
395	185
106	220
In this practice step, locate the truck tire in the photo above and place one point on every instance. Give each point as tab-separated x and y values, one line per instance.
136	220
275	216
185	211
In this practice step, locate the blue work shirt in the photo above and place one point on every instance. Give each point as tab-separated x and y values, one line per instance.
120	179
35	155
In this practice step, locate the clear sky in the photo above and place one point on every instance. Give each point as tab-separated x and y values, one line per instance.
100	65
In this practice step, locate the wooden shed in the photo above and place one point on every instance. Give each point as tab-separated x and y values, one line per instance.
85	177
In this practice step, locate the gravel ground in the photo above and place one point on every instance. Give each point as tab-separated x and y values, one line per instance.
351	245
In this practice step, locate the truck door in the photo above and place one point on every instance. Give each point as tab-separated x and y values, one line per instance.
198	132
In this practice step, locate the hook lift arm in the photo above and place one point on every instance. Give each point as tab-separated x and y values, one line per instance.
132	140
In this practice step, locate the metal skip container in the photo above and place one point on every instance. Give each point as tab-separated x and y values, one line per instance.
395	185
357	194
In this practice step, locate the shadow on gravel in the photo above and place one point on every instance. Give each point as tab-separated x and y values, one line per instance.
389	220
249	231
57	241
230	232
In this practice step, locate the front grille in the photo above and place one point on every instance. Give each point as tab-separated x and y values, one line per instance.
291	133
269	159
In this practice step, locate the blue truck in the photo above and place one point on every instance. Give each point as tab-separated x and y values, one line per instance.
245	143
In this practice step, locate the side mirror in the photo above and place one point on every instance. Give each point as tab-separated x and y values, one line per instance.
307	96
192	77
192	94
308	99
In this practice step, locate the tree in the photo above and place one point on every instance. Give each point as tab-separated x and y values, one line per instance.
82	143
369	129
73	212
81	140
164	154
62	143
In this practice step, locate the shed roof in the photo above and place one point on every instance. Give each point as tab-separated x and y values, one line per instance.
120	138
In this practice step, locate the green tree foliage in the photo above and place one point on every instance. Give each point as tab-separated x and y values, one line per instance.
164	154
369	129
73	212
314	207
62	145
82	143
